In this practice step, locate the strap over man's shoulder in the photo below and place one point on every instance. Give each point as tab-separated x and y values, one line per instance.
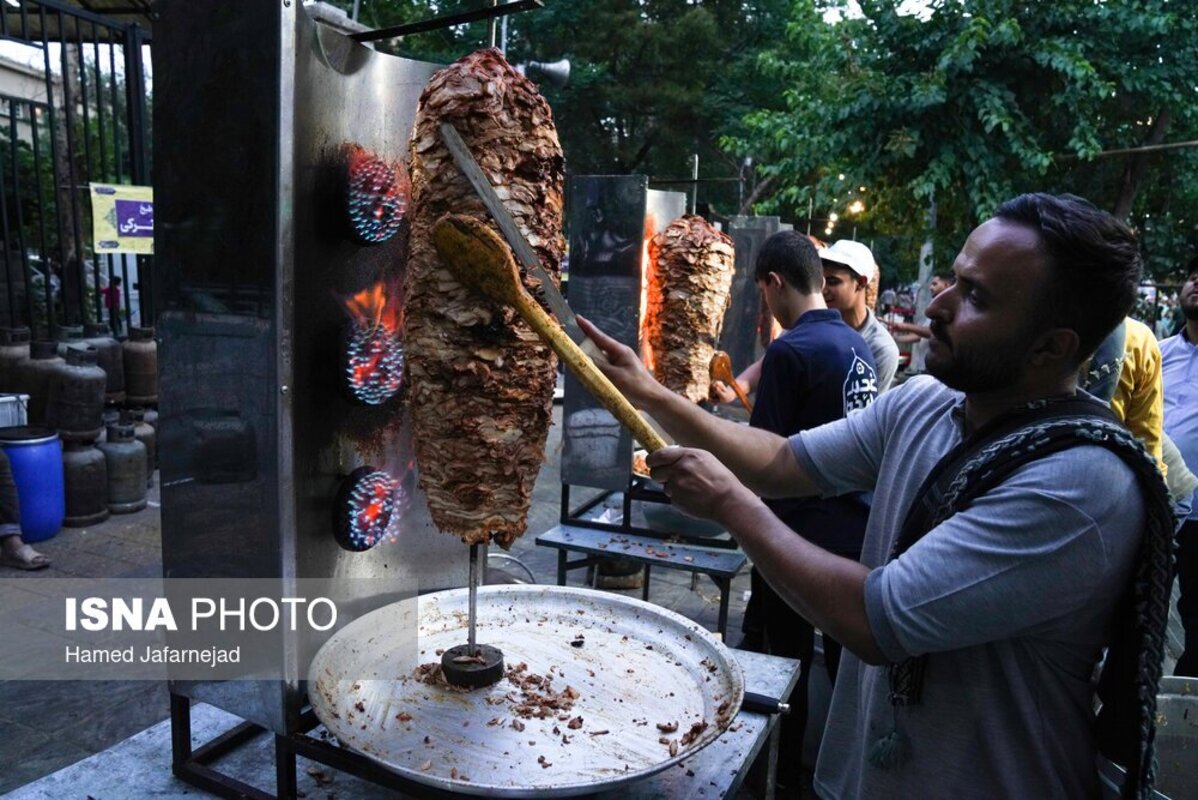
950	485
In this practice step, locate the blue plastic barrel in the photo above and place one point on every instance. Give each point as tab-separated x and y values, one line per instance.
36	457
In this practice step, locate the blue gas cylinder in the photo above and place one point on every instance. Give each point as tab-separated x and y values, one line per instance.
35	454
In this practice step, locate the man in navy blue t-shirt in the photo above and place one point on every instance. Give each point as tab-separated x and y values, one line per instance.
817	371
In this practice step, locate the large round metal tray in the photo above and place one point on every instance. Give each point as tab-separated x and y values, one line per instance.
638	665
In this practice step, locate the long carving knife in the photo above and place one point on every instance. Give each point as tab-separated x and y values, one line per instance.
523	251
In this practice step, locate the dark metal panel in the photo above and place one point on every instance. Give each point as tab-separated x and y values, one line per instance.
607	223
256	108
216	108
741	335
611	217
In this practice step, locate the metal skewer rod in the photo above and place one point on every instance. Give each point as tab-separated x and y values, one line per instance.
475	580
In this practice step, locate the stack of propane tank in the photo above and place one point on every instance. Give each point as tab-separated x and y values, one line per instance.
98	396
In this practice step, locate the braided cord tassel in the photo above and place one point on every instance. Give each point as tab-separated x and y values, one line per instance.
1154	579
1150	592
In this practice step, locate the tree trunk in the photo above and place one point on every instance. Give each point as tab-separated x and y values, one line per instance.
761	189
1137	166
925	264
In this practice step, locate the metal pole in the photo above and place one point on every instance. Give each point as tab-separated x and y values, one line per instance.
695	185
357	7
810	212
492	38
740	190
475	579
135	94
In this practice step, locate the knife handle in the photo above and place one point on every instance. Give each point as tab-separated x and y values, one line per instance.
763	704
592	350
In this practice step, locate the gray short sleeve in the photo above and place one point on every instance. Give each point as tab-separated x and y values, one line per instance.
885	350
844	455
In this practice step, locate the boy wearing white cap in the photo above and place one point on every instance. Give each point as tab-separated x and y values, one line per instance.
848	268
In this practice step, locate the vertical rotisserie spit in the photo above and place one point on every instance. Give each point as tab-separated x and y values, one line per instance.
480	380
690	283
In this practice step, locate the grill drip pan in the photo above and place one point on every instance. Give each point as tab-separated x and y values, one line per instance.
634	666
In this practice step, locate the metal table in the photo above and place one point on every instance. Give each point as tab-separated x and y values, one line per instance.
716	771
719	564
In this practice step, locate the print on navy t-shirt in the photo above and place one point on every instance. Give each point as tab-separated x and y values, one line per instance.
814	373
860	385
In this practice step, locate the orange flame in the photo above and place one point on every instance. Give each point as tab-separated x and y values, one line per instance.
375	358
371	305
648	274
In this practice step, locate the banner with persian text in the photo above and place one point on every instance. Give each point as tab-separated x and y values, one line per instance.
122	218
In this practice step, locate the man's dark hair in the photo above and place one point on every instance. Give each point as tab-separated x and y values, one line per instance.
794	257
116	280
946	275
1094	262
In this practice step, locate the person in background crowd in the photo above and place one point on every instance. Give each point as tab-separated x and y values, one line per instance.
849	268
1179	361
1126	372
1159	322
13	551
917	334
112	301
817	371
769	329
1017	530
1166	321
887	299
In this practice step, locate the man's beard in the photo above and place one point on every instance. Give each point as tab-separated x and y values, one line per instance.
971	371
1189	306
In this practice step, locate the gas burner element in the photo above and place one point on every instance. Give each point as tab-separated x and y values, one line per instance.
365	505
374	362
376	196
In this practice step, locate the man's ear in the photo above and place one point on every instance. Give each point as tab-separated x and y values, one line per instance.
862	282
1058	345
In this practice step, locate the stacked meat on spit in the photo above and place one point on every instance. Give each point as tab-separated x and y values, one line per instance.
480	380
691	266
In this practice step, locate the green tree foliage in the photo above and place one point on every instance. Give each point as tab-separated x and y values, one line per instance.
652	81
971	103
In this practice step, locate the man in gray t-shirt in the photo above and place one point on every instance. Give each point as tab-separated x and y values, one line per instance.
1011	598
848	268
1013	595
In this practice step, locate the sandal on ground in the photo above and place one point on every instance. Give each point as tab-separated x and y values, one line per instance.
25	557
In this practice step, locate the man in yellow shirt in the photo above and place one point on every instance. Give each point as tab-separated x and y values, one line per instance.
1139	399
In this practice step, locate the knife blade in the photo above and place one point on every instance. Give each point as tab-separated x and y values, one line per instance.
523	251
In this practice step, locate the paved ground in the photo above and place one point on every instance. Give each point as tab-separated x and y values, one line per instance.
47	725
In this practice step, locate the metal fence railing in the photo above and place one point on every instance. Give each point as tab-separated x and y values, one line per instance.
73	110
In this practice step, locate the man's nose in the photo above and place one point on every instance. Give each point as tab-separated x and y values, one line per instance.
938	307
